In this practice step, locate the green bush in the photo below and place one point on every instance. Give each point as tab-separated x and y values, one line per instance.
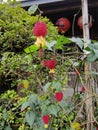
16	28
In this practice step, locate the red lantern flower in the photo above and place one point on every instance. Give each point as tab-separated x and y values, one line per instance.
59	96
83	89
51	65
46	119
40	29
80	22
63	25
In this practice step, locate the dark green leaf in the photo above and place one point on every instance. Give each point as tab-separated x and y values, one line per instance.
7	128
57	85
78	41
33	100
5	114
91	57
30	117
53	109
96	53
24	105
95	46
47	85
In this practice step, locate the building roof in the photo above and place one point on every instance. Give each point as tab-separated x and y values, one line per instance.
26	3
53	6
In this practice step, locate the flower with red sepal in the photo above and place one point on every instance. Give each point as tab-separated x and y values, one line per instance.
59	96
46	119
51	64
40	29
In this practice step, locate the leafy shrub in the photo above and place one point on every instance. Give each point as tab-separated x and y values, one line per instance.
16	28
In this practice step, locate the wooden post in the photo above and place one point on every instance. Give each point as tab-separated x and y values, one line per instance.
87	67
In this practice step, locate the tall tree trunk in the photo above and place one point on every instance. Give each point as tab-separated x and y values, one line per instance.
87	67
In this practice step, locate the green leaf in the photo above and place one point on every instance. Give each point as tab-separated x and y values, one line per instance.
44	105
78	41
33	9
57	85
30	117
95	45
62	40
91	57
7	128
39	128
47	85
31	48
5	114
53	109
24	106
96	53
50	44
33	100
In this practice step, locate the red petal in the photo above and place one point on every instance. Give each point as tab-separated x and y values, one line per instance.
50	64
59	96
40	29
46	119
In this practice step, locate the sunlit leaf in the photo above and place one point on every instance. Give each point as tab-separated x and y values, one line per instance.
31	48
33	9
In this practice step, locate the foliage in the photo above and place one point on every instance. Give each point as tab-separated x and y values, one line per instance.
10	115
35	88
16	28
91	51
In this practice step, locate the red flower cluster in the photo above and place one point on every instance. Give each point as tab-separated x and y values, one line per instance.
59	96
46	119
50	64
40	29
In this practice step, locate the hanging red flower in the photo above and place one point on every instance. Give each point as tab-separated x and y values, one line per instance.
83	89
51	64
46	119
40	29
59	96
